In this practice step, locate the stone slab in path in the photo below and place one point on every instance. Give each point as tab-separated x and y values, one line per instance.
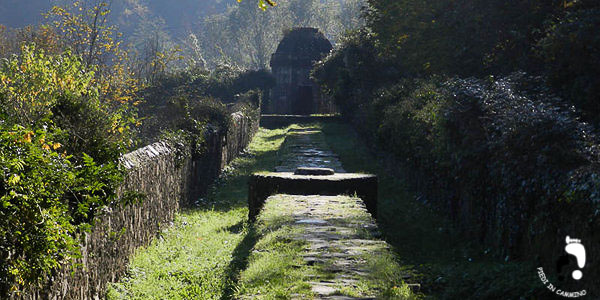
340	237
261	186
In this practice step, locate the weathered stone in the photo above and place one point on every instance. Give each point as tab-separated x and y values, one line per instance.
337	253
313	171
261	186
323	290
295	92
167	180
311	221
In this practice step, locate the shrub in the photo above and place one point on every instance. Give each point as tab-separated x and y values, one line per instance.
190	99
45	200
52	91
59	148
555	39
505	158
30	84
570	53
352	74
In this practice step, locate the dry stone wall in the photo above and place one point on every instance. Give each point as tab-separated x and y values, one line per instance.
167	180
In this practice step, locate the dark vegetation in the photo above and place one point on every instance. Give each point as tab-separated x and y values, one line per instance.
491	110
446	263
189	99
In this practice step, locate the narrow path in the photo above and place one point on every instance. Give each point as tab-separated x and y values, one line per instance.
306	148
300	247
336	240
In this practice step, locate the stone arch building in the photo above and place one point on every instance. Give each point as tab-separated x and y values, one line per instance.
294	92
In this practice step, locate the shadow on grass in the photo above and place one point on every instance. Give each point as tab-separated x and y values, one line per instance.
275	137
239	262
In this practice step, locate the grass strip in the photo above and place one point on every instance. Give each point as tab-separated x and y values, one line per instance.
200	256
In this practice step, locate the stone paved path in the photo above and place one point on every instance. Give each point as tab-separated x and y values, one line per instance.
307	149
340	236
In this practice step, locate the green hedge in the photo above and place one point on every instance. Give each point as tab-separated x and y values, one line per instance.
505	158
555	39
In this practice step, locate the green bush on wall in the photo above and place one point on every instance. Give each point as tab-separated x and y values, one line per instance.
59	149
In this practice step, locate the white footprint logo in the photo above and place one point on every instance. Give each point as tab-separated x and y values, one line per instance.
575	248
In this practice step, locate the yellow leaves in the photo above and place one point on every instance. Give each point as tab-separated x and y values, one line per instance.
262	4
124	99
27	137
403	38
51	146
567	4
4	80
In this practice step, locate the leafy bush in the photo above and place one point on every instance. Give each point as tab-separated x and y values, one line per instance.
51	91
555	39
190	99
46	199
505	158
31	82
59	148
226	81
353	72
570	52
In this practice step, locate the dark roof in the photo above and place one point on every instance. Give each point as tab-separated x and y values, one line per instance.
304	43
304	40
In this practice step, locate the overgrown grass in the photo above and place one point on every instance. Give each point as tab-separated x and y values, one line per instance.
449	266
200	256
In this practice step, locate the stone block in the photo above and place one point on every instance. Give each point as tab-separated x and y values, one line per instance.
263	185
314	171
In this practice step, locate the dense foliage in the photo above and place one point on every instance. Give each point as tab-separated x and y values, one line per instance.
481	103
59	150
190	99
66	115
556	39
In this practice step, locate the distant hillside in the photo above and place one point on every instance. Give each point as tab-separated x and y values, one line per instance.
18	13
178	16
210	32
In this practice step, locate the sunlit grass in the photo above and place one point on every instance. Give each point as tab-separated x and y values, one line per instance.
200	255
